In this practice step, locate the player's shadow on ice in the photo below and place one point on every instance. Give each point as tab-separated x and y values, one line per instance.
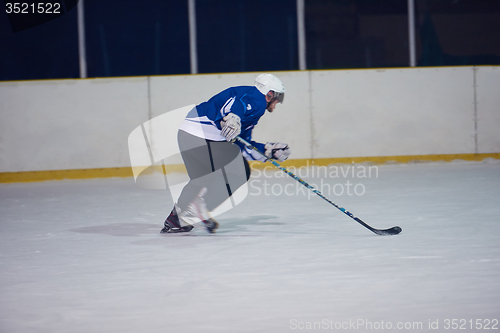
227	226
121	229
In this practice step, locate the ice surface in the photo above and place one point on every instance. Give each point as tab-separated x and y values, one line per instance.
87	256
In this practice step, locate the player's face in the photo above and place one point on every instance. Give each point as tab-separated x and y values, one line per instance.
272	106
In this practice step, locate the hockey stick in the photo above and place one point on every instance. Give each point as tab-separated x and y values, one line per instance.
384	232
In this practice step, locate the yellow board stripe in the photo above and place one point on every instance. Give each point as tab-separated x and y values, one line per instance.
388	159
35	176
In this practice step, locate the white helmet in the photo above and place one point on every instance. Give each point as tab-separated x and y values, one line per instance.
268	82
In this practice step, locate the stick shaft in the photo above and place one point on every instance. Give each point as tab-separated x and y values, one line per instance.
394	230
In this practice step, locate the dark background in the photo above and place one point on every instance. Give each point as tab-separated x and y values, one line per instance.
151	37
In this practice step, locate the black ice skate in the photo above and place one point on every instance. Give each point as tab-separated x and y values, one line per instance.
172	225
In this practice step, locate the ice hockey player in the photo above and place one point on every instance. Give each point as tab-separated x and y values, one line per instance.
216	163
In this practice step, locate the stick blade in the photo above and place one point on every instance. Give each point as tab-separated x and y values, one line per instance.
388	232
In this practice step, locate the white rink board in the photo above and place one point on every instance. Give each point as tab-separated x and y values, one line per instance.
393	112
488	109
82	124
69	124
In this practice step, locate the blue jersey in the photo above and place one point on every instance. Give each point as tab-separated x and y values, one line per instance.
247	102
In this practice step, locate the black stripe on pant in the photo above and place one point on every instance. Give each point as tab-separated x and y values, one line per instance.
216	165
